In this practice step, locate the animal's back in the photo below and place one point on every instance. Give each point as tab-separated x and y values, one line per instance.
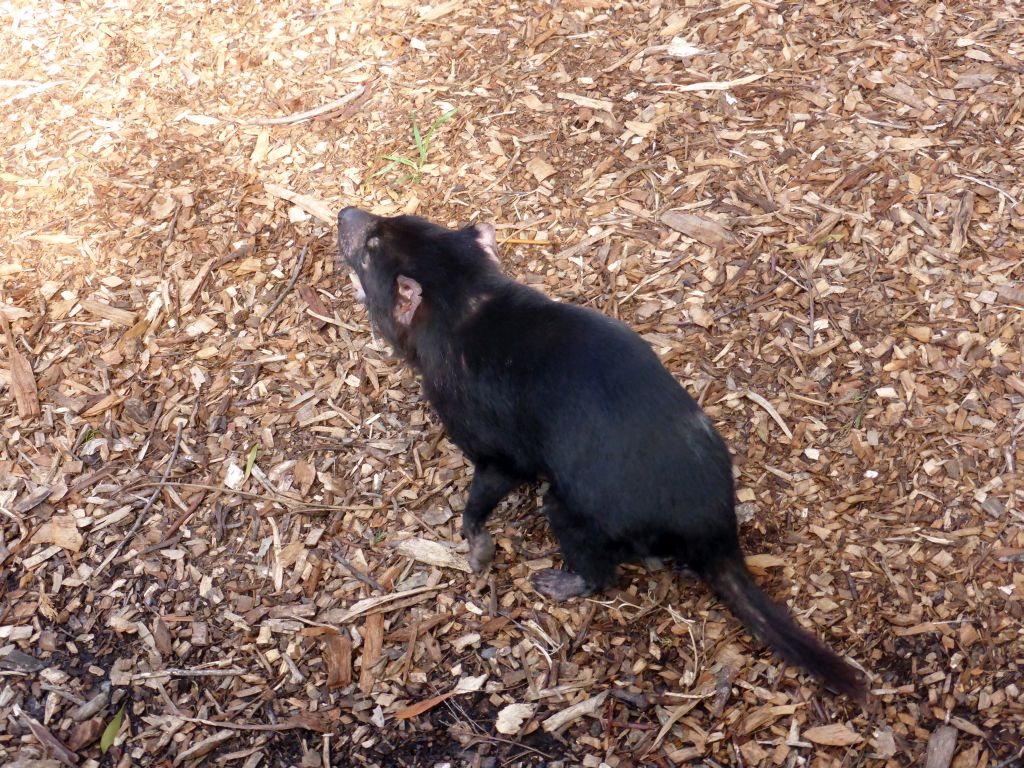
592	407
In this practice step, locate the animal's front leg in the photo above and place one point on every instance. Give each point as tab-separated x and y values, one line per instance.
488	487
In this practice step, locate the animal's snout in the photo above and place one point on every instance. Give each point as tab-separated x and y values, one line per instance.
353	225
354	218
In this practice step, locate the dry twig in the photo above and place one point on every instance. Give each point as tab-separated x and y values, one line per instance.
142	515
291	283
309	114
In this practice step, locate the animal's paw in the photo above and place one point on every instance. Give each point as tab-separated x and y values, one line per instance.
559	585
687	572
481	552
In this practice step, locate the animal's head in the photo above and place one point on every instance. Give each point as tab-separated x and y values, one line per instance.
406	268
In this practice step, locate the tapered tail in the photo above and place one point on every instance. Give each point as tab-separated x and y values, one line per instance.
734	585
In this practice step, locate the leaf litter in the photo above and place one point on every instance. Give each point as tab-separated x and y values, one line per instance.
225	508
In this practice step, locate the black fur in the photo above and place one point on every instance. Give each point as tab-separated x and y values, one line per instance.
528	387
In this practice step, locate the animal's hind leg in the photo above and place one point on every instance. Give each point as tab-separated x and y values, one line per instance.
587	553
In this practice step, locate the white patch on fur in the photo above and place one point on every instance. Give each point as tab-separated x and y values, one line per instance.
487	239
706	424
475	302
358	286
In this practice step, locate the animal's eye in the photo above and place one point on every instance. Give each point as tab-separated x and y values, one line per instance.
373	243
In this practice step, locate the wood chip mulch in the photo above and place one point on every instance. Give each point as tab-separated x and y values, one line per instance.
229	514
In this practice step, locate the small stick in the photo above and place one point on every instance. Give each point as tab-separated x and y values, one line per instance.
991	186
297	722
238	253
581	635
367	580
641	52
522	241
411	649
245	494
16	518
139	518
175	672
165	544
488	737
63	694
309	114
182	519
308	511
740	272
206	269
1010	760
291	283
852	586
324	318
810	315
508	169
756	300
770	410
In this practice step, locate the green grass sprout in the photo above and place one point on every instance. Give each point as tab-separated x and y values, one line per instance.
422	142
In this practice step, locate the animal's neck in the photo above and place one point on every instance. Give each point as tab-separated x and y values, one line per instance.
434	345
436	342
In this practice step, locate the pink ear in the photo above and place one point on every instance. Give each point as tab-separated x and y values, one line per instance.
410	294
487	239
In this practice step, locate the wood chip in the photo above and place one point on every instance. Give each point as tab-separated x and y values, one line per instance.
541	169
441	554
511	717
465	685
703	230
315	304
373	640
61	530
338	657
961	222
833	735
22	380
569	715
720	85
50	743
307	203
586	101
105	311
371	603
941	747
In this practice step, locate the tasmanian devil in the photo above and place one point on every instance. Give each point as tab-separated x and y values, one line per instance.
532	388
